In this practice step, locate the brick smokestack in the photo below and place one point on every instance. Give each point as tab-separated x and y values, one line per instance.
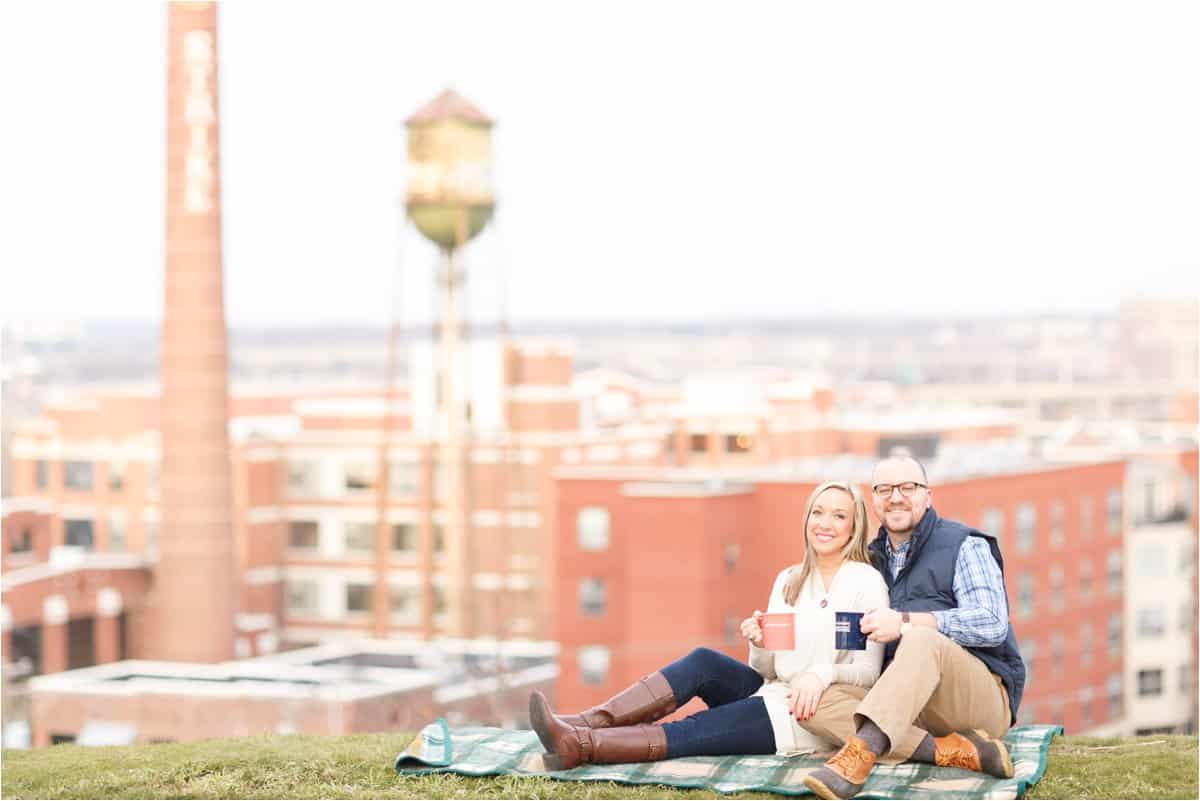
194	583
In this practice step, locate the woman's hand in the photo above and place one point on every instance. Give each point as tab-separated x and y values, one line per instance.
752	629
804	695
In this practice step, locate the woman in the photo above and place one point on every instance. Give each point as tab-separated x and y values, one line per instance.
757	708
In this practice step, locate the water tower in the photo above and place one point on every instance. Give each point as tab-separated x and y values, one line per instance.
449	199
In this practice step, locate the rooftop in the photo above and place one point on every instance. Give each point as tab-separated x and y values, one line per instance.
449	105
954	462
342	671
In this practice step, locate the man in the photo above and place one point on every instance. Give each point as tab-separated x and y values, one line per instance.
952	678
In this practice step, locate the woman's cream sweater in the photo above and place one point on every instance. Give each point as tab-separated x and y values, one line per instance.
857	587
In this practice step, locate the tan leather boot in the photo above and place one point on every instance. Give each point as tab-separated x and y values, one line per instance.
569	746
644	701
973	750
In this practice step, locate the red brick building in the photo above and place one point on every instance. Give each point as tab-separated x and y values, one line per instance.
652	563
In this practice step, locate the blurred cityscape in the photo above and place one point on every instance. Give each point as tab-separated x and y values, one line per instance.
337	530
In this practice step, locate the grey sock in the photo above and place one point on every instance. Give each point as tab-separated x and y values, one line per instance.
924	752
873	736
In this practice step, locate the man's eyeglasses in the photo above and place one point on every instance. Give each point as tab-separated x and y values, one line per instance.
906	489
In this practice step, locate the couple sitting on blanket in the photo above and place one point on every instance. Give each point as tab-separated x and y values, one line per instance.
936	619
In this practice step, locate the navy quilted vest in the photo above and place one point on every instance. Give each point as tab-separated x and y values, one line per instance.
926	584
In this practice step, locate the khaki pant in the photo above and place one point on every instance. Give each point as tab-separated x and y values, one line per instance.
933	686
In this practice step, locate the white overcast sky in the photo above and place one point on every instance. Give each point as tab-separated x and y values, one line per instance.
653	160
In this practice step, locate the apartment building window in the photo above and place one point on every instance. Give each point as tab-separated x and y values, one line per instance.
21	542
698	443
41	474
593	597
360	537
303	535
1057	525
1151	622
593	663
359	477
116	476
1151	560
404	537
1114	635
1114	689
992	522
591	525
303	478
1086	580
739	443
1187	676
78	475
1087	522
358	597
403	604
1086	696
1150	683
439	539
301	598
1056	710
403	478
732	553
79	532
116	532
1113	506
732	629
1057	650
438	600
1087	642
1026	523
1113	571
1056	588
1025	595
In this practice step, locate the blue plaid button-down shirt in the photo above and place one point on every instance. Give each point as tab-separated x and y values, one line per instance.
981	617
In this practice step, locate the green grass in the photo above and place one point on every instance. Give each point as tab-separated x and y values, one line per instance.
360	767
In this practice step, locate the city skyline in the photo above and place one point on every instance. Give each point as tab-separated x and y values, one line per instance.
948	158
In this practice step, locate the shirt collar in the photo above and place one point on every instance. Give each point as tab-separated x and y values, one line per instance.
887	544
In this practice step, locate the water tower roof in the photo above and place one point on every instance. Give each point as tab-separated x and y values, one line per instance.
449	105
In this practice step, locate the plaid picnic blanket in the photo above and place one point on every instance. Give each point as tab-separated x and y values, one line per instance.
490	752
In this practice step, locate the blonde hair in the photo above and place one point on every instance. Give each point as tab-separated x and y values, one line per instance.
855	550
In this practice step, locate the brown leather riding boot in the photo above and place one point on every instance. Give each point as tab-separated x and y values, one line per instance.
568	746
644	701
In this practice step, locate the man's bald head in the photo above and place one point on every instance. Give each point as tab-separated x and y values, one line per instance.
901	457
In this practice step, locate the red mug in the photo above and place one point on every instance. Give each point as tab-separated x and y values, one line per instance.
778	631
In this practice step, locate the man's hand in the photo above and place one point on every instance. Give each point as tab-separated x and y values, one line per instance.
805	695
752	630
881	625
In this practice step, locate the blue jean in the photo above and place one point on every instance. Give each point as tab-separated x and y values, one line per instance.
734	723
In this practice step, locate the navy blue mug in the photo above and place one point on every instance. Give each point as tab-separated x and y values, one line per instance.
846	633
